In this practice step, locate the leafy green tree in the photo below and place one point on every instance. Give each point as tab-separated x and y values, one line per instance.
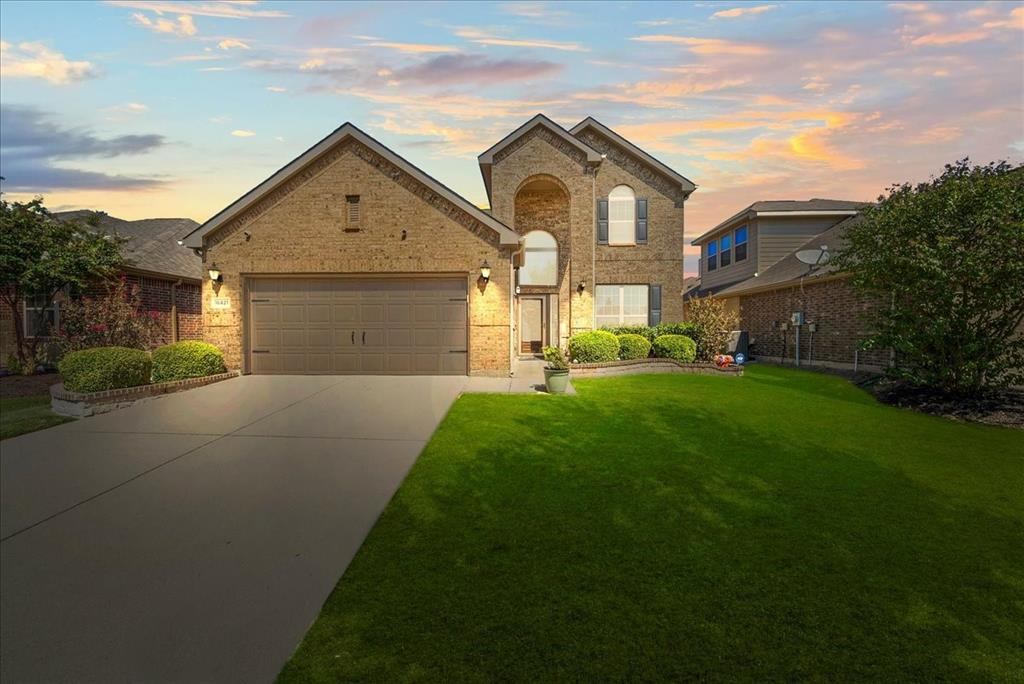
945	259
41	256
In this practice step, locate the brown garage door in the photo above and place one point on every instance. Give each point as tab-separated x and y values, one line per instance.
372	326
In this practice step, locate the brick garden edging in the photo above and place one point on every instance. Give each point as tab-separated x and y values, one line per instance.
634	366
82	404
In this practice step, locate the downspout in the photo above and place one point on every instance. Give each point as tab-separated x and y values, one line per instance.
174	310
512	360
593	254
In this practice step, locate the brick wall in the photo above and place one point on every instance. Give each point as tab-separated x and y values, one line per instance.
154	295
660	262
835	308
404	228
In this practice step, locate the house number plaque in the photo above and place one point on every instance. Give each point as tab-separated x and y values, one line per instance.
220	303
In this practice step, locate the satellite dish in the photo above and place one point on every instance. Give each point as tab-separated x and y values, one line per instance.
814	257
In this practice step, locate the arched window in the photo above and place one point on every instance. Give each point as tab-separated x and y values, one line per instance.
622	216
540	263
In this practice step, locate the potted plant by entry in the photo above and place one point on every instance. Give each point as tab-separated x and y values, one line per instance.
556	372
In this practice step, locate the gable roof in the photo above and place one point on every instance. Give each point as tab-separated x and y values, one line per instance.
811	207
347	130
152	244
487	158
790	269
685	183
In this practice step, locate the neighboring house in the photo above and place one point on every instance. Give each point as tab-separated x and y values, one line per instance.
168	277
352	260
769	283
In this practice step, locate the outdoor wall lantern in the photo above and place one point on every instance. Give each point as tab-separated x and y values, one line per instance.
485	271
215	274
582	286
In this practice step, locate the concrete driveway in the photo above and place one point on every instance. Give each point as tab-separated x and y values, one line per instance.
194	537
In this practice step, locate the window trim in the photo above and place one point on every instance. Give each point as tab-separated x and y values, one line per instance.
622	301
632	203
736	243
725	252
526	258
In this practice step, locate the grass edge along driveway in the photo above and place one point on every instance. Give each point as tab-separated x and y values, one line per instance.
21	415
782	525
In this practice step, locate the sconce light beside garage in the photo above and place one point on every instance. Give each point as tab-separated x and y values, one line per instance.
485	271
581	286
215	274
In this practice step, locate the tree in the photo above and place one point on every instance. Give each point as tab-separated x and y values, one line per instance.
41	256
946	260
712	325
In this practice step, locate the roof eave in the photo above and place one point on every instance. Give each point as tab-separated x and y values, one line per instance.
751	214
685	184
195	239
487	157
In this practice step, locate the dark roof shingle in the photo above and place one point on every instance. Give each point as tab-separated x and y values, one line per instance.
152	243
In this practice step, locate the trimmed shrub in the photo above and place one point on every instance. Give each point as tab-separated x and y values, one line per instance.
594	346
633	346
644	331
678	347
105	368
191	359
688	329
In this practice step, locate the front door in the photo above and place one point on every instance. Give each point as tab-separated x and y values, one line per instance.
531	325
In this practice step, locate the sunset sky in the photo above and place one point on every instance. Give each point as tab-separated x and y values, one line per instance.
168	109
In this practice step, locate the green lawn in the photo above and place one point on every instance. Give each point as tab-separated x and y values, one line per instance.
27	414
778	526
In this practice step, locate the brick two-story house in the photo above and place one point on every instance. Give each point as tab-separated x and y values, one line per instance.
352	260
750	262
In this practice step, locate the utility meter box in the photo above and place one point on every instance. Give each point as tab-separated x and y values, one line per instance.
797	318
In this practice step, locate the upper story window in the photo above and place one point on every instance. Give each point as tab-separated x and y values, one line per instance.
741	244
540	263
712	255
622	216
725	250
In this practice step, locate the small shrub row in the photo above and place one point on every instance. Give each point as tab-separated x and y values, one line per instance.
650	332
106	368
601	346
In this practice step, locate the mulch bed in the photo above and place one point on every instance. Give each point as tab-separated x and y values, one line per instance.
1005	408
13	386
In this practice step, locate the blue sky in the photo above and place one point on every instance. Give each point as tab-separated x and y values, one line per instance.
170	108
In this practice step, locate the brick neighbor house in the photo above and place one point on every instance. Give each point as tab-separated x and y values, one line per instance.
352	260
168	277
750	261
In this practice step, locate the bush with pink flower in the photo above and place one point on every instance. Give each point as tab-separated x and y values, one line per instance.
114	318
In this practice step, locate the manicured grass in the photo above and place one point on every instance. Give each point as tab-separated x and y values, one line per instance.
778	526
27	414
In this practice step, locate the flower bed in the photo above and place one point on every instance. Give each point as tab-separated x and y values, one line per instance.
82	404
652	365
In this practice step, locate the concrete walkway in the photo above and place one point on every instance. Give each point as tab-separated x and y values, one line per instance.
194	537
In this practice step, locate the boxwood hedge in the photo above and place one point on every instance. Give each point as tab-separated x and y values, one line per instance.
633	346
190	359
678	347
105	368
593	346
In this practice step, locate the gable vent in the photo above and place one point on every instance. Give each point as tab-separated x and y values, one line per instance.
352	210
